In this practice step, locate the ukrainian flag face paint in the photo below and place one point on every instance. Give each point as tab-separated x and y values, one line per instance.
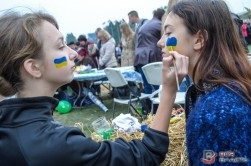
171	43
60	62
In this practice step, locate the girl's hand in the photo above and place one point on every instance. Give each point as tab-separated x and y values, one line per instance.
168	71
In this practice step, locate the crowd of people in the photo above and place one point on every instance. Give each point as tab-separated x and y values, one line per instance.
35	62
246	30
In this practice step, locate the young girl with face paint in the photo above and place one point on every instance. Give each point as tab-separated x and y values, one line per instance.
218	104
34	63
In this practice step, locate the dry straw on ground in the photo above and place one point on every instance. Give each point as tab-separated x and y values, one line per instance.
176	155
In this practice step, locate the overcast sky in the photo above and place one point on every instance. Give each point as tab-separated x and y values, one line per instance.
84	16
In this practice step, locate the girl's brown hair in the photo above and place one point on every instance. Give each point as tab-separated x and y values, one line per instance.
223	58
19	40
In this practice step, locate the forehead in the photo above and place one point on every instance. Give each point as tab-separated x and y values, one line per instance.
49	33
173	20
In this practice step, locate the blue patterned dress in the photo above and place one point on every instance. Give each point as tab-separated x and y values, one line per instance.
218	127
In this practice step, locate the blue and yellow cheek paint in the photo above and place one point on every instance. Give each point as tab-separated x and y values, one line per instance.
171	43
60	62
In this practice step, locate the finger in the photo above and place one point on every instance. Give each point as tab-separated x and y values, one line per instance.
167	61
168	75
182	63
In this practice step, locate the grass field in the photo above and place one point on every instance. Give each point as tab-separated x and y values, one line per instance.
87	114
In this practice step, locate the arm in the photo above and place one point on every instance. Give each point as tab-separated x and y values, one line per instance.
169	89
80	150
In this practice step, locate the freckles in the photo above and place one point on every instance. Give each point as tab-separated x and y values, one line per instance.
60	62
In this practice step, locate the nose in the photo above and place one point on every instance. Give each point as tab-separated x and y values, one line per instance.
161	42
73	54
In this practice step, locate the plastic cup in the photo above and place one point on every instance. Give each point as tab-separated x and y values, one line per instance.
102	127
139	110
107	134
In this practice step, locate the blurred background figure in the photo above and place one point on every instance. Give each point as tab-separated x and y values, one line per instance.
98	44
72	45
98	41
241	30
118	51
107	51
147	50
135	22
87	52
249	32
128	45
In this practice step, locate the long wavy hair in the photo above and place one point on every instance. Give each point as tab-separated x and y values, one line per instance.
127	32
222	52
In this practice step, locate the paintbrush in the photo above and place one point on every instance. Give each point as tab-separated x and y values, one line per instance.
170	45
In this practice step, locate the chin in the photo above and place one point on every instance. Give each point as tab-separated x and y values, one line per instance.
63	82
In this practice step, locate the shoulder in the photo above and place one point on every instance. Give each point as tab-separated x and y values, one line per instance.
110	41
223	98
220	105
223	94
143	21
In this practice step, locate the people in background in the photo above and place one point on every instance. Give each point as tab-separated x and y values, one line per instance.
244	30
249	32
98	41
118	52
218	104
107	51
238	25
136	22
128	44
34	63
147	50
72	45
87	52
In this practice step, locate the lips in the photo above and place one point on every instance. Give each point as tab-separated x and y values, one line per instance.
163	54
73	67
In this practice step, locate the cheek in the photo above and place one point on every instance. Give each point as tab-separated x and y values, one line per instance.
184	45
60	62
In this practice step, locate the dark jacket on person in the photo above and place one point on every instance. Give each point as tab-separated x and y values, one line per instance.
147	50
30	136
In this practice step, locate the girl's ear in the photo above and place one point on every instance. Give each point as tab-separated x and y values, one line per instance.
200	40
32	67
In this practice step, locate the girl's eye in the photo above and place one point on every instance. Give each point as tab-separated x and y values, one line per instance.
62	46
168	33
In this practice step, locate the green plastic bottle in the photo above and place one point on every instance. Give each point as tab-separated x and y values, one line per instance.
139	107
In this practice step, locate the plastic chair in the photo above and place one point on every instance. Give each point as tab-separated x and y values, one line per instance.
117	79
152	72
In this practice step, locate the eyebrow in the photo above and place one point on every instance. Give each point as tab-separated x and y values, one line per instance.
166	26
60	39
